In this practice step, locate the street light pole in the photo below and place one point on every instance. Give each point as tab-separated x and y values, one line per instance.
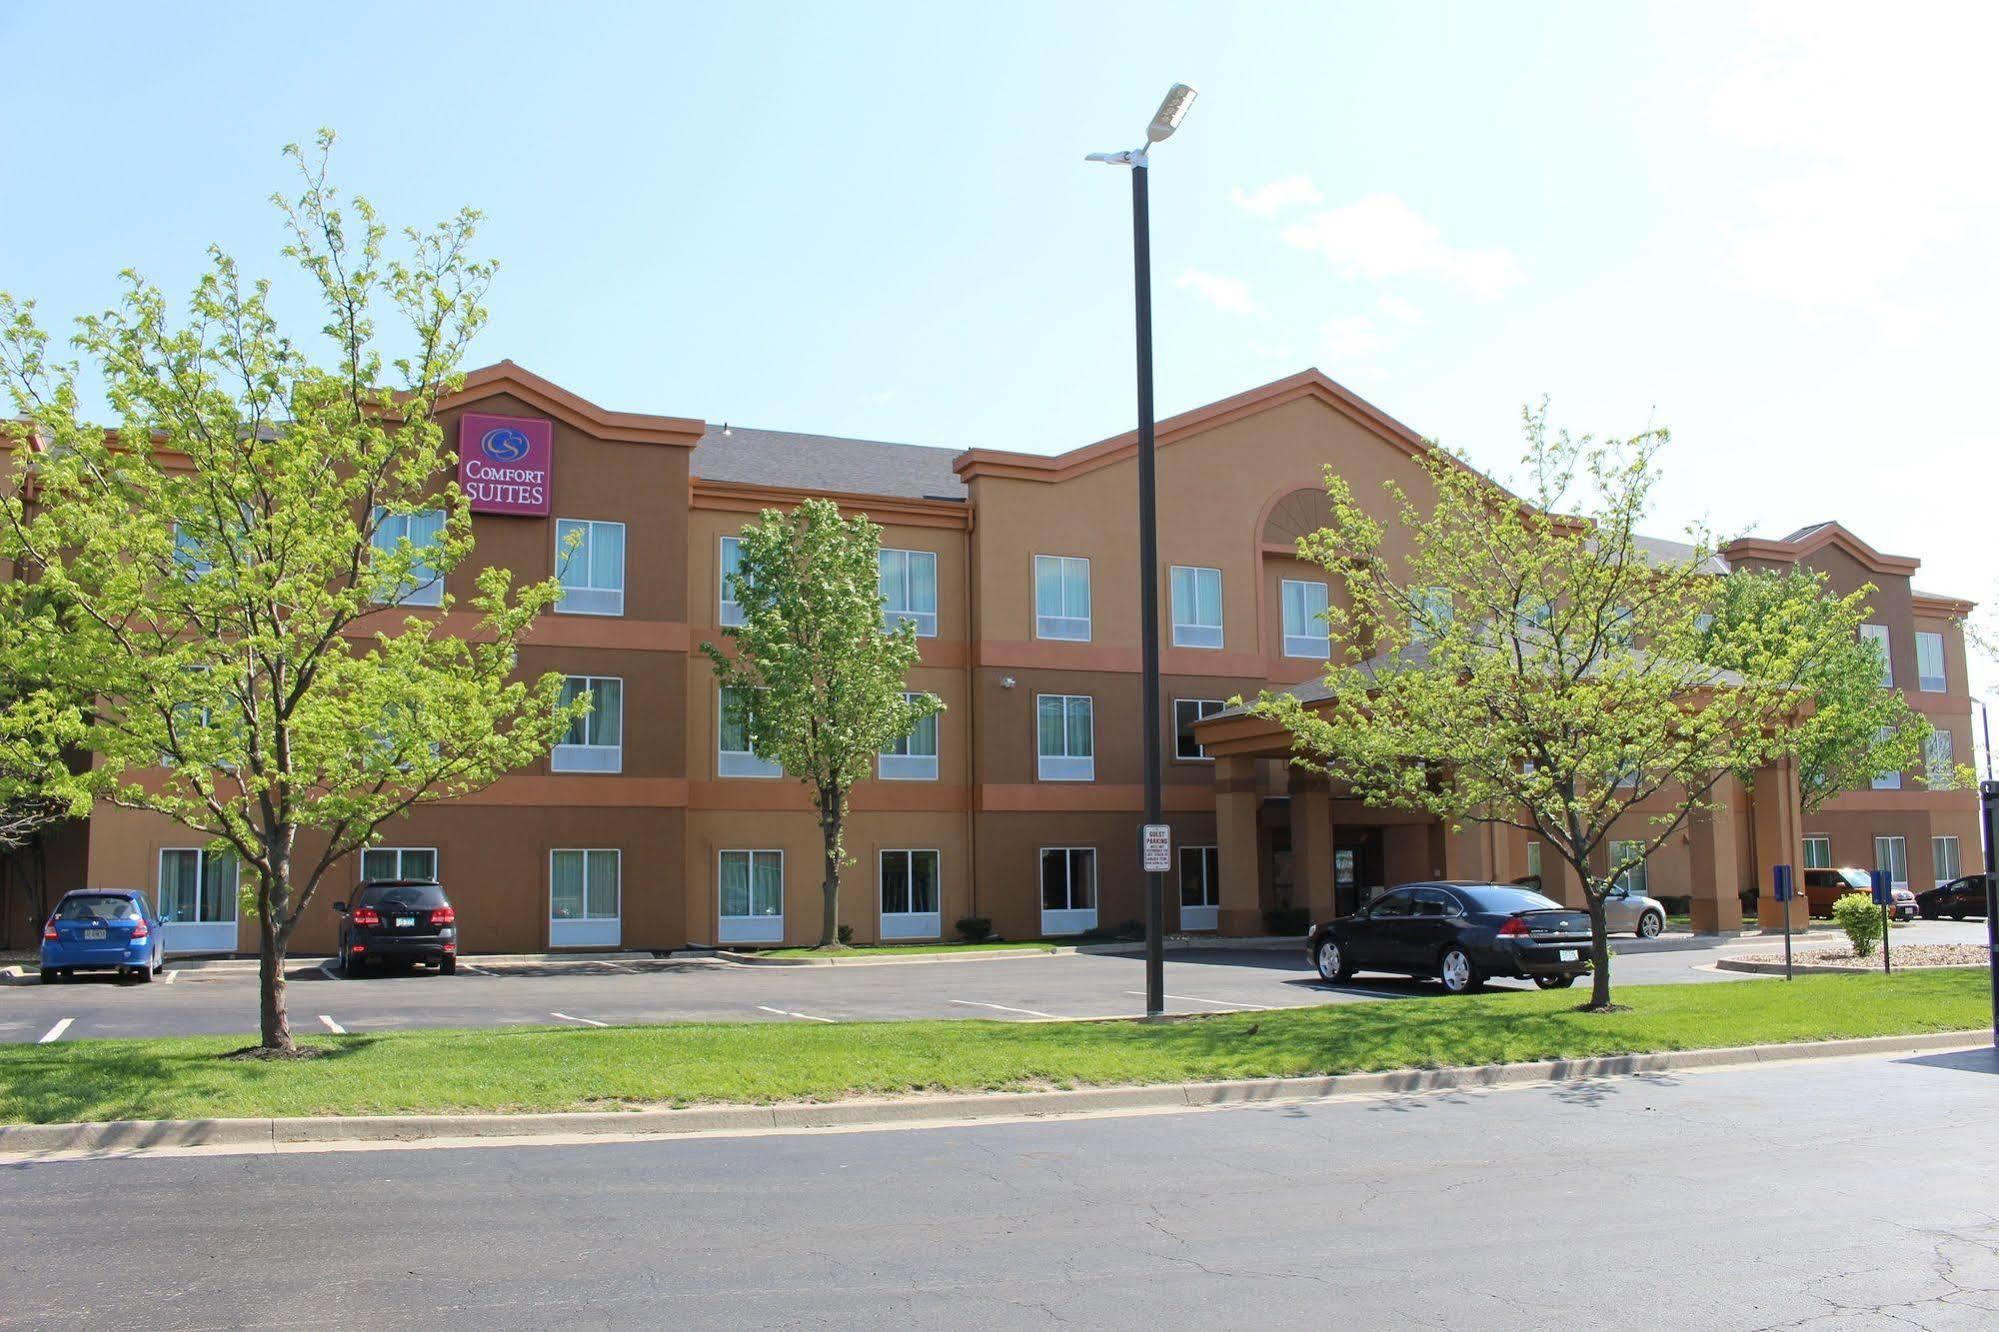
1171	111
1988	800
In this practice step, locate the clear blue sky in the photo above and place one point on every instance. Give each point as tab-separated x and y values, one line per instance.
1766	227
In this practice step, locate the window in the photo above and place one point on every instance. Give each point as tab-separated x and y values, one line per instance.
1818	852
1877	635
1534	861
197	900
1940	759
188	554
1187	711
1432	612
914	757
1886	781
1635	880
422	529
593	569
594	742
399	862
583	898
1304	607
1892	854
1200	887
1944	864
1197	607
1065	731
735	758
752	888
1062	597
909	895
1068	889
1929	663
909	589
731	565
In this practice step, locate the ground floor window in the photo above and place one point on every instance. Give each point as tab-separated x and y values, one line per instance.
399	862
197	900
752	902
1892	854
909	893
583	898
1068	889
1818	853
1944	862
1635	881
1200	887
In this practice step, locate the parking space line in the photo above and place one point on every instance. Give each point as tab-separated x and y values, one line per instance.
476	971
55	1033
588	1022
169	977
1326	987
332	1026
785	1012
1222	1003
1031	1012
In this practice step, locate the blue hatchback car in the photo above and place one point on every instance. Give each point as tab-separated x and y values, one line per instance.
102	929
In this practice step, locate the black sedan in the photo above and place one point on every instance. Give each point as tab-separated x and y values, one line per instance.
403	920
1460	933
1957	899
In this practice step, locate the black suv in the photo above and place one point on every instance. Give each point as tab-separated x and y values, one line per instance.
405	919
1957	899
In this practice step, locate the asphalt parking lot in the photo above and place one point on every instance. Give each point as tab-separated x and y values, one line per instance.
219	1001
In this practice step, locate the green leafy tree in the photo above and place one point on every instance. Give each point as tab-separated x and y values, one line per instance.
218	568
1532	663
811	676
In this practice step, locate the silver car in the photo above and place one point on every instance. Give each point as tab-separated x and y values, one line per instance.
1625	910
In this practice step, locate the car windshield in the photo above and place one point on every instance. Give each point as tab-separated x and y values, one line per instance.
1506	901
422	896
1856	879
104	907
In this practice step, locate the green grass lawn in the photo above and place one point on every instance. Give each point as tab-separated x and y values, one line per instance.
537	1068
908	950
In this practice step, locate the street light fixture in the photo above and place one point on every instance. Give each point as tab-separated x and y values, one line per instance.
1166	120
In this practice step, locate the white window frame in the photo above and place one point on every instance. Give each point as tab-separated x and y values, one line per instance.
1897	847
1937	857
394	527
588	598
1195	632
1925	682
739	762
1070	919
1205	914
1306	644
1877	634
1062	627
1891	780
1823	844
751	928
892	615
728	611
1939	759
361	862
1066	767
1637	880
201	935
909	924
900	763
591	755
587	930
1204	708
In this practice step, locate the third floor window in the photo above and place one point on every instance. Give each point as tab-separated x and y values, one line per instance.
1062	597
1197	607
1929	663
909	589
1877	635
590	561
1304	608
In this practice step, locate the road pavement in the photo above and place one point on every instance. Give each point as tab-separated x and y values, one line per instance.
1851	1193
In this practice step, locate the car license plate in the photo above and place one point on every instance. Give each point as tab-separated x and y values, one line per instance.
405	922
1568	955
93	934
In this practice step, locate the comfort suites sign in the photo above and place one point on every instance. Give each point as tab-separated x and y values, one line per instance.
505	463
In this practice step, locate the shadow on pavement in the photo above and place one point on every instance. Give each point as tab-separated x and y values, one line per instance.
1969	1061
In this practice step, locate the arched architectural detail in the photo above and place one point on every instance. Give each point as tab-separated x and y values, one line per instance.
1296	514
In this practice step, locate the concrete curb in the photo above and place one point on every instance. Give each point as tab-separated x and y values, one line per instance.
141	1135
1765	967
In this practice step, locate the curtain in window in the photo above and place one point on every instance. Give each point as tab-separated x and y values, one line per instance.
565	885
1078	728
766	885
895	883
1049	726
735	883
180	885
923	881
600	901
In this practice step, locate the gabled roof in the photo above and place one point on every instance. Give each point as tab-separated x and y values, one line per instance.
571	409
790	460
1807	541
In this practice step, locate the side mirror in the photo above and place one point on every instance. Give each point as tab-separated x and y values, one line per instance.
341	907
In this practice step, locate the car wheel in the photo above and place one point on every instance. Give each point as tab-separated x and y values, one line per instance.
351	965
50	975
144	975
1650	925
447	966
1555	982
1458	972
1332	961
1957	915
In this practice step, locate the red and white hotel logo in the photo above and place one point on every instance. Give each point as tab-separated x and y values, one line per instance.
506	463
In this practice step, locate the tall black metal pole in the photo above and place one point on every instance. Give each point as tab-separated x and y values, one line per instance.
1988	797
1148	587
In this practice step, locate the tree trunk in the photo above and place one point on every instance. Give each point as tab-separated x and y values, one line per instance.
1599	949
829	925
274	1024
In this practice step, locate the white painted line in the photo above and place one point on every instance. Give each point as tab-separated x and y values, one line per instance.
476	971
1326	987
1031	1012
169	977
588	1022
55	1033
332	1026
785	1012
1223	1003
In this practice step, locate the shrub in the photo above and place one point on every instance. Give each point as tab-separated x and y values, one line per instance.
846	935
974	929
1857	914
1287	920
